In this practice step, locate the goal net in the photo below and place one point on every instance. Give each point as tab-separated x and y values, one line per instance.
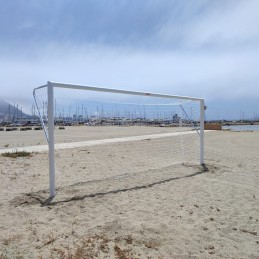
111	132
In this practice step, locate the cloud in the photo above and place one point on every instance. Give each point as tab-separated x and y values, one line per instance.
203	48
106	22
200	25
224	24
172	72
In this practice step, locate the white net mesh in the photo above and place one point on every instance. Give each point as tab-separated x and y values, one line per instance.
148	132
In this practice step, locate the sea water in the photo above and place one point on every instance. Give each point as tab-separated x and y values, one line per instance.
242	127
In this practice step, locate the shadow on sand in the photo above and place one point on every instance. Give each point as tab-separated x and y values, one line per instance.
39	197
50	202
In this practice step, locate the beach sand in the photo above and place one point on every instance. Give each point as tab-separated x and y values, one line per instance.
128	200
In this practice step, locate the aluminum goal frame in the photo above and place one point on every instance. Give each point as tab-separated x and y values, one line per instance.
50	131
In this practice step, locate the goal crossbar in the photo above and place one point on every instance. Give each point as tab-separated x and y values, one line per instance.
50	105
119	91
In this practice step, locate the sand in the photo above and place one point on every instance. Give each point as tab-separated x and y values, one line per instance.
129	200
89	143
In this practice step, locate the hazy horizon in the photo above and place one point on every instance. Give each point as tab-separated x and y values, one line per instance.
241	114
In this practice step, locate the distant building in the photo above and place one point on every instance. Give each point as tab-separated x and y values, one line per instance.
176	118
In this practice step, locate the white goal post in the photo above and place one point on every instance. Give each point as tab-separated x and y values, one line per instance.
50	117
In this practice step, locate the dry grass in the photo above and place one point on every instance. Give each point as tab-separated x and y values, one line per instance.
16	154
97	246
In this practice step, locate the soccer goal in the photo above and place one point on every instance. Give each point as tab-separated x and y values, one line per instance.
147	130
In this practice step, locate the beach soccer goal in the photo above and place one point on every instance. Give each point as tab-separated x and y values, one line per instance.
147	130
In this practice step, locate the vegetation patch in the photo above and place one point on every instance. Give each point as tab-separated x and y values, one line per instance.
38	128
16	154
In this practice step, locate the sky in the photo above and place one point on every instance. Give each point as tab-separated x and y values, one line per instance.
202	48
